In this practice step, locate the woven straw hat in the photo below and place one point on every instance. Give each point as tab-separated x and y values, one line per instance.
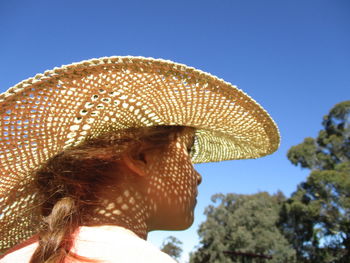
43	115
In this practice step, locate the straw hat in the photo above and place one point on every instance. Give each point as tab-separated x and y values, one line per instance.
43	115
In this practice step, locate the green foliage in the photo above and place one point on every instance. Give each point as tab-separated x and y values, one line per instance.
242	223
316	219
172	246
331	147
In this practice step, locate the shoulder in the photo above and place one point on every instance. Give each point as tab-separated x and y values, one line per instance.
117	244
20	253
112	244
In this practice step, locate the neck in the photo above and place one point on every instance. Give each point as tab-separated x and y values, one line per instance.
126	209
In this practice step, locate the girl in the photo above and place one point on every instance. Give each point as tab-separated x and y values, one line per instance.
96	154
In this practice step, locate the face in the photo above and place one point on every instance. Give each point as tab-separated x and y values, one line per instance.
172	184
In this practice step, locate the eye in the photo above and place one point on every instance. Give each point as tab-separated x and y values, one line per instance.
141	156
190	146
189	149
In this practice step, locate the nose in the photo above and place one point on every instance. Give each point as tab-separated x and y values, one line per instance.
199	178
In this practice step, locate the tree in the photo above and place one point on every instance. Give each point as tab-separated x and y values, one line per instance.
172	246
316	219
242	224
331	147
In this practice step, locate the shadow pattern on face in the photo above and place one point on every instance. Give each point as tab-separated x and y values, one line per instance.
161	197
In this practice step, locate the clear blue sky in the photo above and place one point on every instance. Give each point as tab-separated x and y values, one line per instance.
293	57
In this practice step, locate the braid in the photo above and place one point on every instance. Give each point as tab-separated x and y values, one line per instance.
54	245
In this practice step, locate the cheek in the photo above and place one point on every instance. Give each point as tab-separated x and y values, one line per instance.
174	180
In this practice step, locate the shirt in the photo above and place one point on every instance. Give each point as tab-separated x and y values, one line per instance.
108	244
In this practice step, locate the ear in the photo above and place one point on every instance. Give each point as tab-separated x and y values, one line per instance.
138	166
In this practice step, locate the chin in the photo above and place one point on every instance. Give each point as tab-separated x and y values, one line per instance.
175	223
186	226
177	227
185	223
